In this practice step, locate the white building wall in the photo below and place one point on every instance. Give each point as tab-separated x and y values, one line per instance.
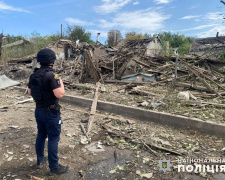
154	48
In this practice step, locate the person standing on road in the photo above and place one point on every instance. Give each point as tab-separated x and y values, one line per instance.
47	88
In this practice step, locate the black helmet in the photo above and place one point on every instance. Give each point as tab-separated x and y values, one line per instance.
46	56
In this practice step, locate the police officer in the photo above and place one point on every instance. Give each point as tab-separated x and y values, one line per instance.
47	88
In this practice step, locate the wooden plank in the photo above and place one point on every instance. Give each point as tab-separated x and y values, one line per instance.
186	85
202	80
125	82
76	61
93	109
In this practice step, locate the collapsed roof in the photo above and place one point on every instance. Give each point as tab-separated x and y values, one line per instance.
211	47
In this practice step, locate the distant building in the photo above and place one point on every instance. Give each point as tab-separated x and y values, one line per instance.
148	47
17	49
211	47
64	49
154	47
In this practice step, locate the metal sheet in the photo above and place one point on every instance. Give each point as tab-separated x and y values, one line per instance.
6	82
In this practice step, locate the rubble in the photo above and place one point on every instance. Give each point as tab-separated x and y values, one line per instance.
150	78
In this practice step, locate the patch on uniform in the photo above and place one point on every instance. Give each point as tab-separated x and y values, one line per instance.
56	76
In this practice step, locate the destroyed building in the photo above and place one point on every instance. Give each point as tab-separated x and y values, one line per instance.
64	49
17	49
211	47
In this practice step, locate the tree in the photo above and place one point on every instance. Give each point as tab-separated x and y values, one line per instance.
176	40
133	36
114	37
78	33
146	35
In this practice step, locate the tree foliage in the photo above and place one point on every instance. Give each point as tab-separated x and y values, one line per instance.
114	37
134	36
146	35
41	41
179	41
78	33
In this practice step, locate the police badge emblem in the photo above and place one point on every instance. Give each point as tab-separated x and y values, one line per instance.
164	165
56	76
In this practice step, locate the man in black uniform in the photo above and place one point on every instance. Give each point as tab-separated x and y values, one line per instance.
47	88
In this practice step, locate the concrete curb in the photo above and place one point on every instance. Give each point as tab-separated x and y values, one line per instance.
148	115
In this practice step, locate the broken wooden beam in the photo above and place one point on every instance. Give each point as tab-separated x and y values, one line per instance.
192	86
91	69
125	82
194	71
93	109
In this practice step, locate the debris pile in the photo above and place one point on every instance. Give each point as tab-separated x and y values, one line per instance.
160	80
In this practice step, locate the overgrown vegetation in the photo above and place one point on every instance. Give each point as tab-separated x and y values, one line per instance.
8	39
134	36
19	46
179	41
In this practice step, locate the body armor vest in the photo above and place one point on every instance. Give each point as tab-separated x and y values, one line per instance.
38	92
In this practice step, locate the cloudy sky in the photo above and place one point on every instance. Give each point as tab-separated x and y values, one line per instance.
197	18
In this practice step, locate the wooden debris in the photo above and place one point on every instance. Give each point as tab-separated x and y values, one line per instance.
137	90
90	67
27	59
149	148
34	177
202	80
192	86
93	109
26	100
136	142
125	82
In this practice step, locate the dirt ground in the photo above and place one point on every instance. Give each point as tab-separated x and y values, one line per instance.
117	158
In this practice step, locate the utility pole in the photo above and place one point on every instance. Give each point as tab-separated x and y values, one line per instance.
1	37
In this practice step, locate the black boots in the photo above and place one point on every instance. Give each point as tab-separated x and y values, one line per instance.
60	170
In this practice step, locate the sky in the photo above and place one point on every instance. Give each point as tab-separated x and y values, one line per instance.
196	18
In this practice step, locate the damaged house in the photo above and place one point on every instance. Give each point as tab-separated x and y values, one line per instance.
211	47
64	49
139	51
17	49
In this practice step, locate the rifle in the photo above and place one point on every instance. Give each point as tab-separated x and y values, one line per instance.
33	67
